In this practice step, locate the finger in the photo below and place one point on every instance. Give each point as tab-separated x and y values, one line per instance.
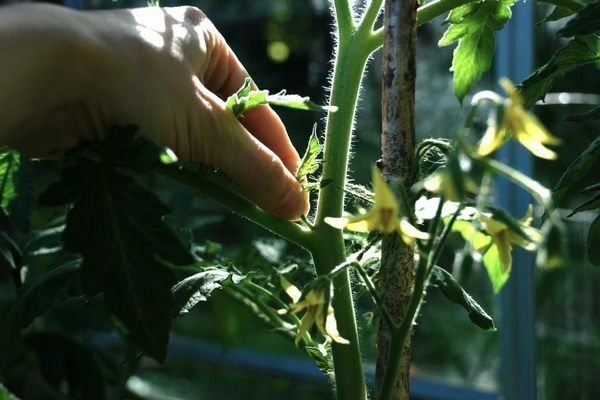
251	165
225	76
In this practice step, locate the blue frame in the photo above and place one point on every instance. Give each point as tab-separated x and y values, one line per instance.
515	59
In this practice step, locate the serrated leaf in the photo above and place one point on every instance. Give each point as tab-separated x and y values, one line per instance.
593	242
297	102
310	161
586	22
497	274
593	113
198	287
591	204
65	362
473	26
246	99
117	225
576	171
579	51
455	293
34	299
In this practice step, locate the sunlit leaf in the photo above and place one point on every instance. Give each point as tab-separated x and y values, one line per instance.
117	225
245	99
586	22
455	293
497	274
593	242
310	161
576	171
198	287
591	114
579	51
473	26
10	161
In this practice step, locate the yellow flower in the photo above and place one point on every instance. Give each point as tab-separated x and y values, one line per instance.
442	182
504	237
318	311
384	216
526	128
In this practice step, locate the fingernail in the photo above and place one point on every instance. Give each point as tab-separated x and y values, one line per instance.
292	206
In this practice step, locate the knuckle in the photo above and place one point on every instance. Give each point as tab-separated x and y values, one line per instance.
193	15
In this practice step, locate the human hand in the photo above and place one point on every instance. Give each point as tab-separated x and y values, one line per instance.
166	70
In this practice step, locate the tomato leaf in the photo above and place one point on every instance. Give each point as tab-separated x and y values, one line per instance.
117	225
558	13
34	299
579	51
586	22
473	26
246	99
310	161
576	171
456	294
497	273
593	242
199	287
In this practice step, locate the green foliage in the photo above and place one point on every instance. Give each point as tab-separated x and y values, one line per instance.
456	294
558	13
473	26
5	394
35	299
579	51
10	161
496	272
246	99
576	171
593	242
199	287
586	22
593	113
310	161
117	226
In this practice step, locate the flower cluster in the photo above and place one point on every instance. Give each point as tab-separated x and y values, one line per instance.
384	216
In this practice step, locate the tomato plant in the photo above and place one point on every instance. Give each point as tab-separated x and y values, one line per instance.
116	242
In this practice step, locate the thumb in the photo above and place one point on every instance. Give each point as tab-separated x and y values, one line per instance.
252	166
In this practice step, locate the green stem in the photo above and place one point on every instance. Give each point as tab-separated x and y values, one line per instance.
344	17
376	298
227	197
328	243
371	14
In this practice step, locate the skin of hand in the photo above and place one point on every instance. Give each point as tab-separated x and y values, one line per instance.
67	76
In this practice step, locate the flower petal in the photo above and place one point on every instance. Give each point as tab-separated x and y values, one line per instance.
338	223
292	291
384	196
536	147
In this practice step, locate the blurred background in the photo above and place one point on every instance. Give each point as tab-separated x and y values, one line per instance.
221	351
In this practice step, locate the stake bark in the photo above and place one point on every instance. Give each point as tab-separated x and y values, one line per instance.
398	147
